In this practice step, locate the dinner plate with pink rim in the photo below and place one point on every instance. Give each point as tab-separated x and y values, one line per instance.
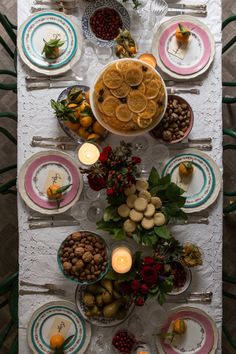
200	337
44	169
46	25
183	61
203	187
58	317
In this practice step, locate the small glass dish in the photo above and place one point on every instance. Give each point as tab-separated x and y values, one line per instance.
186	285
75	278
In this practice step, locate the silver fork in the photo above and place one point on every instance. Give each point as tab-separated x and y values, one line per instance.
45	286
47	292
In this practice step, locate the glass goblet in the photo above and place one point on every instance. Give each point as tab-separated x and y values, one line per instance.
95	211
103	54
79	210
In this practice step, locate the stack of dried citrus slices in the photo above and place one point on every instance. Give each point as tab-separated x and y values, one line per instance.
129	97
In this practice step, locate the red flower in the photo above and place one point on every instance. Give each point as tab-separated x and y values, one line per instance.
144	289
103	157
107	150
135	159
159	267
110	192
148	260
96	183
139	301
149	274
135	285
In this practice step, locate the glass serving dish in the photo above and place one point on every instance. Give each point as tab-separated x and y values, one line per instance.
75	278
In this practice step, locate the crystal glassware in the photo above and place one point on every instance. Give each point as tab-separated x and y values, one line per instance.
140	145
103	54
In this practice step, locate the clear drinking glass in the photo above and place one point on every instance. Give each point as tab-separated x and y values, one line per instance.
103	54
140	145
79	210
80	69
95	211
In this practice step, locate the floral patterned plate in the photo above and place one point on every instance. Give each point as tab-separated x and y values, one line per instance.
98	321
58	317
46	168
200	338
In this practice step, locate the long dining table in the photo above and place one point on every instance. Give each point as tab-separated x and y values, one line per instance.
38	247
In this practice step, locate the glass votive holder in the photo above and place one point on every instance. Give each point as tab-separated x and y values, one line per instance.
122	257
87	153
103	54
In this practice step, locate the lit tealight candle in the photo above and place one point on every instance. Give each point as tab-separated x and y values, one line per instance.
121	259
88	154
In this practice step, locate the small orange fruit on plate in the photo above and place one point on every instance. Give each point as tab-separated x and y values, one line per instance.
86	121
52	192
56	341
98	128
83	132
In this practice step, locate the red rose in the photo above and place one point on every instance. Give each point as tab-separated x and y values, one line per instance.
96	183
139	301
149	274
135	285
144	289
159	267
107	150
148	260
110	192
103	157
136	159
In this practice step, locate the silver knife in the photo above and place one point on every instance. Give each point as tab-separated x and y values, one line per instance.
60	139
52	7
182	83
50	84
62	146
179	146
49	78
188	6
183	12
172	91
53	223
197	300
193	220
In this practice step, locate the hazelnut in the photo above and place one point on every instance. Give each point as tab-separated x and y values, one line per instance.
98	258
76	236
67	266
89	248
87	257
79	264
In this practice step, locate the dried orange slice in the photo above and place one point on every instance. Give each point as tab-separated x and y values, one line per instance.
99	86
134	118
161	95
147	76
144	123
109	105
123	65
152	88
150	110
121	91
137	102
134	76
112	78
123	113
141	88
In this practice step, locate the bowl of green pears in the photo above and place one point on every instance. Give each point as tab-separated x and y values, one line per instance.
103	304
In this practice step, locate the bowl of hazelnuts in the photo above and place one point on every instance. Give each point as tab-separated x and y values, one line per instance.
84	257
177	122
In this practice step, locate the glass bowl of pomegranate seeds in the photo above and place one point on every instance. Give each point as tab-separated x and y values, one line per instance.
123	341
102	20
182	278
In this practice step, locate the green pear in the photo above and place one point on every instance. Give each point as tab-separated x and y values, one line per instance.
95	289
107	297
107	284
99	300
111	310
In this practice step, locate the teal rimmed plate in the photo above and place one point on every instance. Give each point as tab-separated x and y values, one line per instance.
203	187
46	25
52	314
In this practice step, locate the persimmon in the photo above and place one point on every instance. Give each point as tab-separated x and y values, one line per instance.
179	326
93	136
182	33
149	59
72	126
98	128
52	192
83	132
56	341
186	169
87	96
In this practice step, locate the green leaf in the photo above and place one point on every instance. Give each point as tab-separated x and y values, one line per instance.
112	275
163	232
153	178
154	291
63	188
173	191
167	285
110	213
161	298
119	234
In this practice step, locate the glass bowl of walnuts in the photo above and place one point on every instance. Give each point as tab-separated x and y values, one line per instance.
84	257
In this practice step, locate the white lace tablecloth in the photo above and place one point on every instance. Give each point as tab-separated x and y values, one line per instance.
38	248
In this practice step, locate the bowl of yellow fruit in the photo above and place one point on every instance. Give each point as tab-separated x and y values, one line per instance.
75	116
128	97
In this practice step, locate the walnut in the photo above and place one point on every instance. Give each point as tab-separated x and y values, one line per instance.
67	266
98	258
76	236
79	265
79	251
89	248
87	257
